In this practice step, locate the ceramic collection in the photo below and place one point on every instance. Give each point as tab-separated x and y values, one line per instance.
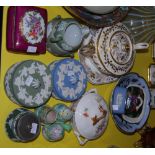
106	43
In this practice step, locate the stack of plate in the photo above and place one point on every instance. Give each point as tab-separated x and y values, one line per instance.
137	103
28	83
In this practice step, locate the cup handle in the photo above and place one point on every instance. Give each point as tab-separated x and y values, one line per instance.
141	46
81	141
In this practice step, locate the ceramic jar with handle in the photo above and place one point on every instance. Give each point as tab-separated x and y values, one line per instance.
65	36
90	118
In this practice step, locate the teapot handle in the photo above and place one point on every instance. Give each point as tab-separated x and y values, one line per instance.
81	141
141	46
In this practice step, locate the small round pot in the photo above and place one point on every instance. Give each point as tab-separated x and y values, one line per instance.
53	132
64	113
46	114
90	118
22	125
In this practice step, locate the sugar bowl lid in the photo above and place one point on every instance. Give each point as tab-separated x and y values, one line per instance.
69	79
32	83
91	116
115	49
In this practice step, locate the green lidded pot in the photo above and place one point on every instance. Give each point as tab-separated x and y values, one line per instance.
46	114
64	113
53	132
22	125
29	83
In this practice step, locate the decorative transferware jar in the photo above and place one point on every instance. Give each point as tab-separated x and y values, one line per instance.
90	117
110	52
65	36
28	83
22	125
26	29
69	79
46	114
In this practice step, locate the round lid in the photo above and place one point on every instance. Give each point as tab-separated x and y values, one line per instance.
32	27
69	79
115	49
32	83
28	127
91	116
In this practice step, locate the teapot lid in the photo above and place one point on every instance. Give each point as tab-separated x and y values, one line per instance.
69	79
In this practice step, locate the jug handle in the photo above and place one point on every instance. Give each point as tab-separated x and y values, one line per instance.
56	39
141	46
85	30
81	141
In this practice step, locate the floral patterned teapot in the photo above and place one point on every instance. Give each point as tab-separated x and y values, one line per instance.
65	35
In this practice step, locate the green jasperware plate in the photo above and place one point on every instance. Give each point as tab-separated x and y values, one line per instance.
32	84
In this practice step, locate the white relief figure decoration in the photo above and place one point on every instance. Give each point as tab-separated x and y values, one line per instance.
71	79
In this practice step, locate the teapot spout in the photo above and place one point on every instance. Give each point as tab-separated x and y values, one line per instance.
85	30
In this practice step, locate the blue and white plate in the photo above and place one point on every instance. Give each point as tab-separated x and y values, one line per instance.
133	120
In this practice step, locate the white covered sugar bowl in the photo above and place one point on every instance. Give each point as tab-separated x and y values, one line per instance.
90	117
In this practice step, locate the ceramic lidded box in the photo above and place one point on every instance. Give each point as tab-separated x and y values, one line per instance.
28	83
26	29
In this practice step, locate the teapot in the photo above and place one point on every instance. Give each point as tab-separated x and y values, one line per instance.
65	36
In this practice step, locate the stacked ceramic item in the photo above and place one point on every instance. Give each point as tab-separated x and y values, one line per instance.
22	125
28	83
55	121
69	79
90	117
108	53
130	103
